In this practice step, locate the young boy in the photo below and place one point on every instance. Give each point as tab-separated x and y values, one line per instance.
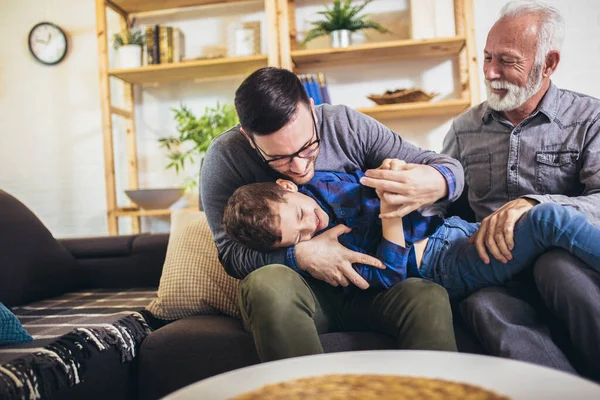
265	216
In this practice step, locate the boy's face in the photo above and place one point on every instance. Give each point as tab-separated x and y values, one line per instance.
301	217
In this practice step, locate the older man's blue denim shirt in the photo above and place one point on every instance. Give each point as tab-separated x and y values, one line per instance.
551	156
348	202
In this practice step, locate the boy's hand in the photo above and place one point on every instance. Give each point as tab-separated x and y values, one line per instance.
408	186
326	259
390	164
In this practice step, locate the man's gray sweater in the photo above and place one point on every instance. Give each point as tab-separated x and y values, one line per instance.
349	141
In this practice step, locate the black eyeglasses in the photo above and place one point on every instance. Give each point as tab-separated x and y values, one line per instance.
306	151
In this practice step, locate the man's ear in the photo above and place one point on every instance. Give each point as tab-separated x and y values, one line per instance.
247	137
552	60
287	185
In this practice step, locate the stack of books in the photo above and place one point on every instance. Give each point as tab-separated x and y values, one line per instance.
164	44
316	87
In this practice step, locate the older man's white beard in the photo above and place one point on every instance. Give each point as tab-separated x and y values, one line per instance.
515	96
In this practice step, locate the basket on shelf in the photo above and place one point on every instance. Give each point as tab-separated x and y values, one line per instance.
401	96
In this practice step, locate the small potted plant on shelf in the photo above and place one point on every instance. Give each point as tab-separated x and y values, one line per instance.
195	135
128	45
340	21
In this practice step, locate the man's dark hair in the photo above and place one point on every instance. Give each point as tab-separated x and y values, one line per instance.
268	99
250	216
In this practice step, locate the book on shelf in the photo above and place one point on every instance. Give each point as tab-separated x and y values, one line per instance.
316	87
152	54
323	88
164	44
178	45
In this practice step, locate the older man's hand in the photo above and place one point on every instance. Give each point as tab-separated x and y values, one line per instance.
408	186
496	233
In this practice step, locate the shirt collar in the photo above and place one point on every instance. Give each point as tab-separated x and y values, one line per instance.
548	106
550	102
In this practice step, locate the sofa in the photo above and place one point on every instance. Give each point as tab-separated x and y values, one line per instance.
39	273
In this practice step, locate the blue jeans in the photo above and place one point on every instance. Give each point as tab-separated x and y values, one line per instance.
451	262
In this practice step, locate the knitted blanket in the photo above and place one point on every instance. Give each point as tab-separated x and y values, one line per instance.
65	330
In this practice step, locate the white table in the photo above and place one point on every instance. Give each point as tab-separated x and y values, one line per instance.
515	379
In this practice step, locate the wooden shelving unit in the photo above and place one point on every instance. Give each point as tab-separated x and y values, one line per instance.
460	47
283	52
136	212
373	52
139	6
419	109
190	70
196	70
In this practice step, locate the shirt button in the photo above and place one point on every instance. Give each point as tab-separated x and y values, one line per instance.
516	132
513	167
343	213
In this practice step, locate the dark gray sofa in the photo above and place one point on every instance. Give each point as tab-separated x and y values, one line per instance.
174	354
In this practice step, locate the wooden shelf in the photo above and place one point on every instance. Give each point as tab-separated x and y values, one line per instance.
417	109
137	6
190	70
136	212
368	53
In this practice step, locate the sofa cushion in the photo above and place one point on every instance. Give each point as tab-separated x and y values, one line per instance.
11	330
33	265
193	281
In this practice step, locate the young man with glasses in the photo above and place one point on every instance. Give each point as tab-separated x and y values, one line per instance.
283	135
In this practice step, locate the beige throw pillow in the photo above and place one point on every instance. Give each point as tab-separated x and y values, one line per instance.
193	281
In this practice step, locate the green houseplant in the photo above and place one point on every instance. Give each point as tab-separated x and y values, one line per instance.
195	135
340	21
128	45
128	37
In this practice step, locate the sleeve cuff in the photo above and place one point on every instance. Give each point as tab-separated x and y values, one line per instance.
539	198
394	257
290	260
449	177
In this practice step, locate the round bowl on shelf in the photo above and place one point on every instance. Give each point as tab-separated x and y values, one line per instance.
155	199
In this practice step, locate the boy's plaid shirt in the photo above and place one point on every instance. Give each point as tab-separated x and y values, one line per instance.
348	202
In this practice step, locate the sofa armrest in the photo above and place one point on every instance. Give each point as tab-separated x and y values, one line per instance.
119	261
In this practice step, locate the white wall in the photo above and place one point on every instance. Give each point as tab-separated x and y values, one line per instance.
50	124
50	141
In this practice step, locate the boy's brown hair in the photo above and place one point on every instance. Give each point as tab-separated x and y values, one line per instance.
250	215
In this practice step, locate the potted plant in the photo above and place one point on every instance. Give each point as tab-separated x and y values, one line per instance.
340	21
195	135
129	48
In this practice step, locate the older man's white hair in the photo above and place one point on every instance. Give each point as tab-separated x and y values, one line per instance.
551	34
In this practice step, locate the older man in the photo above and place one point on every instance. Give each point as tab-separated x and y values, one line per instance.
530	143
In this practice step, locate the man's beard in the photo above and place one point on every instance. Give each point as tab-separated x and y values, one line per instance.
515	96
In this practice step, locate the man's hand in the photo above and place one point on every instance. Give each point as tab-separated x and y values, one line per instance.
326	259
496	232
409	186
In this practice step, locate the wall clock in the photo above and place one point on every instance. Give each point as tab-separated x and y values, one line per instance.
48	43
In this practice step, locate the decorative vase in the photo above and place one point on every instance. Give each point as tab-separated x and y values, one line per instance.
341	38
244	42
130	56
